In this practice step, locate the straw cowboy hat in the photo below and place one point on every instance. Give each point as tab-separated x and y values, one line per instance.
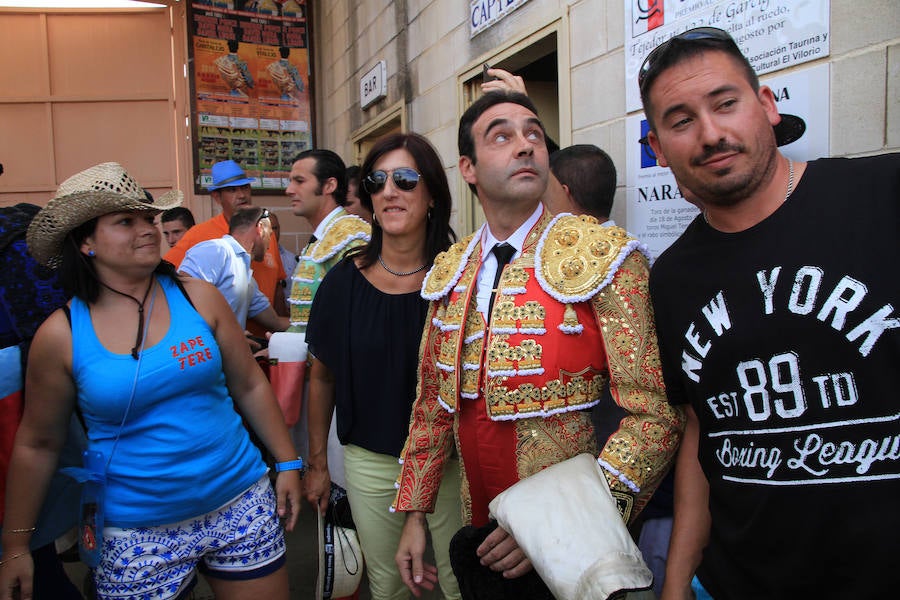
96	191
340	555
340	561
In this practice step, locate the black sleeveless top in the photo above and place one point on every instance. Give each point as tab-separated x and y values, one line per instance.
370	342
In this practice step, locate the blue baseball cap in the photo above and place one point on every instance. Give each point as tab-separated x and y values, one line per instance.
228	174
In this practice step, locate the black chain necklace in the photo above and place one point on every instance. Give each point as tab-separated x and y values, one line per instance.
400	273
140	303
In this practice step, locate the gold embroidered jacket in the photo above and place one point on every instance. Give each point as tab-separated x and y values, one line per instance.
344	232
572	313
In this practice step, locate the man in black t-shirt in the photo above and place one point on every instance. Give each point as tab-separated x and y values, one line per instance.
778	329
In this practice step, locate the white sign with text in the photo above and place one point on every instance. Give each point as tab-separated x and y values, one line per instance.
483	14
772	34
373	85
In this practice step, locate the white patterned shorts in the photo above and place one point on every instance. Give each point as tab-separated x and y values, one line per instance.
238	541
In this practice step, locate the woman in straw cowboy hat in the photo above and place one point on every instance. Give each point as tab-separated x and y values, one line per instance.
152	364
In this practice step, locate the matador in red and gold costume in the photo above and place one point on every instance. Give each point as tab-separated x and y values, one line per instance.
514	395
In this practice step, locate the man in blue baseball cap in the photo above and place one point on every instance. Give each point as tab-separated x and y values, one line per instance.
230	189
229	174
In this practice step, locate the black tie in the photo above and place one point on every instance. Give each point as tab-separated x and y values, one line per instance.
504	252
312	240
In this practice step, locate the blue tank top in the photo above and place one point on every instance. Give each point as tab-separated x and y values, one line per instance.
183	450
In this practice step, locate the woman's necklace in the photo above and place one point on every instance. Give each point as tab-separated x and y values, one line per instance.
140	303
400	273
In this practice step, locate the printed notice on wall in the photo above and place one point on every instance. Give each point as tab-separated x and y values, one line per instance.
658	211
772	34
250	87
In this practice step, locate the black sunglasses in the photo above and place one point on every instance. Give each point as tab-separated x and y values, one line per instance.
698	33
404	178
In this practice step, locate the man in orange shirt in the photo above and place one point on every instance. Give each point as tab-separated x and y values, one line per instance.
231	190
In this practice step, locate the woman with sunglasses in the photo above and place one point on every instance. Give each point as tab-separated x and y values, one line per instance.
364	334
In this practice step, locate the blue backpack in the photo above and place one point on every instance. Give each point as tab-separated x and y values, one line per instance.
29	291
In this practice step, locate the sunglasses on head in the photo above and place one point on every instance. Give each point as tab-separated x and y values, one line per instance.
699	33
265	214
404	179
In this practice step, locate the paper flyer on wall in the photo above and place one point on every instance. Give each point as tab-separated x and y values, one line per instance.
772	34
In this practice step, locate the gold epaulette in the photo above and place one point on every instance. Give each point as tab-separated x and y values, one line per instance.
576	256
340	232
448	267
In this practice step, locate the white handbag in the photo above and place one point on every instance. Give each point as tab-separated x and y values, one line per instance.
565	520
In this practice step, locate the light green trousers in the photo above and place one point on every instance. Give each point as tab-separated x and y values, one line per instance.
370	489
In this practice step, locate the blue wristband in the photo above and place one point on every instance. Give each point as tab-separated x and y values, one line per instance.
291	465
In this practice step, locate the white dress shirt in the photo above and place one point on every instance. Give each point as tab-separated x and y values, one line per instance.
489	261
225	264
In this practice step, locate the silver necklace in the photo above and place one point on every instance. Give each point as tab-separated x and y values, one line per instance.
400	273
790	180
790	187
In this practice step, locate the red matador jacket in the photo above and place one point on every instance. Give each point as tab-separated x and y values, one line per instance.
572	313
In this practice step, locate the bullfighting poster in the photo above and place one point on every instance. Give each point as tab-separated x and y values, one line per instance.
250	76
